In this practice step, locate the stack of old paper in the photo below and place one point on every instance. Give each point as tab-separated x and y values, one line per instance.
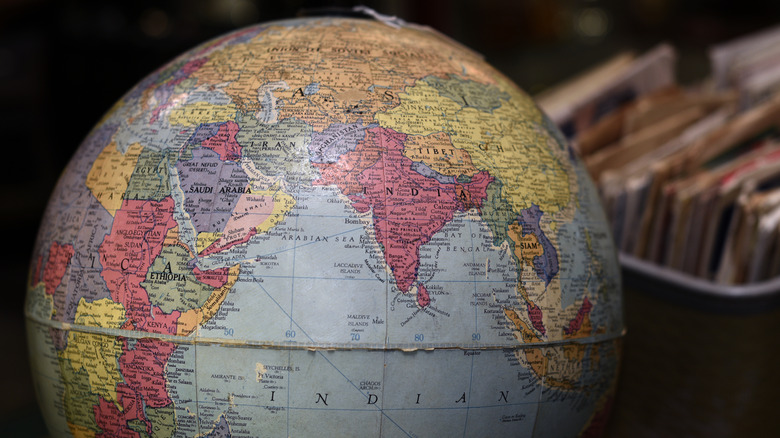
689	176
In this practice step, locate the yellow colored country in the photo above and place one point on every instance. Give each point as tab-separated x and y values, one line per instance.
110	174
360	69
201	112
97	354
509	142
205	239
556	366
190	319
283	203
438	153
100	313
523	331
79	431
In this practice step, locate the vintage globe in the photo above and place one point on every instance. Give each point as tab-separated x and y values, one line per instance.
325	227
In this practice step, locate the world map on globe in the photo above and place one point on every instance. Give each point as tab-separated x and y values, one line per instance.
331	227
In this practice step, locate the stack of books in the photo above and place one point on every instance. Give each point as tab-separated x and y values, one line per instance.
689	175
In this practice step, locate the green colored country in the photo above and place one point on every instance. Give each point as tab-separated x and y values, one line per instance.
39	304
497	212
468	93
163	422
78	400
279	149
185	86
150	178
172	285
139	427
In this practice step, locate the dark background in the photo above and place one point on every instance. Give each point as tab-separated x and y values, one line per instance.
64	63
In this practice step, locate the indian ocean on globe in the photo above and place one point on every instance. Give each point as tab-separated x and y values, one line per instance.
330	227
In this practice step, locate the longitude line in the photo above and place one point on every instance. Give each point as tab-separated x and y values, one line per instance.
285	37
292	301
222	168
197	402
471	372
384	380
289	356
468	401
384	181
387	314
384	414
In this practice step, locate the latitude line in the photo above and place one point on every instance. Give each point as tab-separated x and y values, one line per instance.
227	342
54	379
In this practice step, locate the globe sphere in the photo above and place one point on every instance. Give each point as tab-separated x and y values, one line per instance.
330	227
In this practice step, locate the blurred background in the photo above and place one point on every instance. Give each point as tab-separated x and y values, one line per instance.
64	63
